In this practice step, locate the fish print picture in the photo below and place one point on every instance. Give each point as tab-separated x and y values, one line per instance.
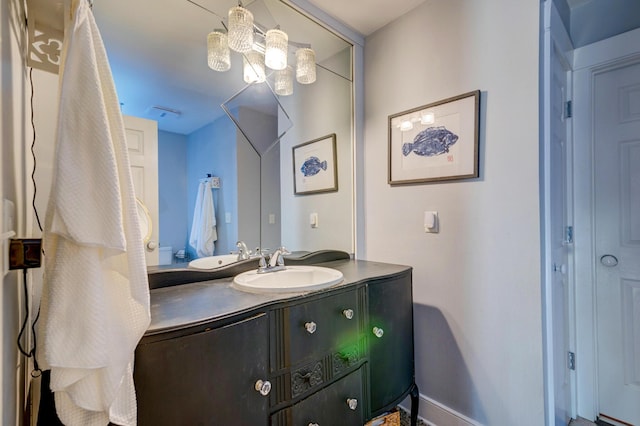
430	142
312	166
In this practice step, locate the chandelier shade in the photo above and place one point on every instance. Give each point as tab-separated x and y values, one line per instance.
305	66
240	29
218	54
253	67
283	85
276	47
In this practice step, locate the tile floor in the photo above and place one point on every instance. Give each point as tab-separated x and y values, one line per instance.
405	418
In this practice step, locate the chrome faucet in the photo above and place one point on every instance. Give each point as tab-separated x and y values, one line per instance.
276	261
243	252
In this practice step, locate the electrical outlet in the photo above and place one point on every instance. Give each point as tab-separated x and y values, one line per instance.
24	253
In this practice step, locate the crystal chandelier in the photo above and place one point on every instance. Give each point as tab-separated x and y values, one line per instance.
218	54
261	50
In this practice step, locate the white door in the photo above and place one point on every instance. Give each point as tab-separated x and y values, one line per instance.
557	229
616	130
142	141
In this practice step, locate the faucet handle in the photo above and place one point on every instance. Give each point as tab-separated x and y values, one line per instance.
262	263
281	252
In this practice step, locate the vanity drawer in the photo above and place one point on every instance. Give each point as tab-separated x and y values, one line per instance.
323	325
341	403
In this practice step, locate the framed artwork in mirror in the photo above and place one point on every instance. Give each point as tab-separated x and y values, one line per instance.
315	166
435	142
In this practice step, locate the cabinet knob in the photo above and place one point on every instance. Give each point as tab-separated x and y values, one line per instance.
310	327
352	403
378	332
348	313
263	386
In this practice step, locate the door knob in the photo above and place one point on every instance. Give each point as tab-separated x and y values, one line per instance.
348	313
263	386
609	260
310	327
352	403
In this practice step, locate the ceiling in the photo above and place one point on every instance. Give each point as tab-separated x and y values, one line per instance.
588	21
366	16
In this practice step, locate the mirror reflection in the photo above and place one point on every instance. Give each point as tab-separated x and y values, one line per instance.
158	54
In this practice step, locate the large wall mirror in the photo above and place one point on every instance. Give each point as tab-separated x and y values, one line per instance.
158	53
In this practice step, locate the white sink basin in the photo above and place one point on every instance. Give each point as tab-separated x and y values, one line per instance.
212	262
292	279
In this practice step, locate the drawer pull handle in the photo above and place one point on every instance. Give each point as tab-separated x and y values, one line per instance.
352	403
310	327
348	313
263	386
378	332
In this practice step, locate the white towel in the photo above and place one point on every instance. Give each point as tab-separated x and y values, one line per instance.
209	233
195	223
95	297
203	227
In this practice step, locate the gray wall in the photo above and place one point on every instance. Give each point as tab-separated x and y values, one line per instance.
476	284
596	20
212	149
172	190
317	110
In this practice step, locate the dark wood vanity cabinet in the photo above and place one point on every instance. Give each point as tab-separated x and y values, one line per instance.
206	378
390	330
336	357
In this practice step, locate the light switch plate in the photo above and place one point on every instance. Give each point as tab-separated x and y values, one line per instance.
431	220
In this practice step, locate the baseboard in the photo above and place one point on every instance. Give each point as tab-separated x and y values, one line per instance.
434	413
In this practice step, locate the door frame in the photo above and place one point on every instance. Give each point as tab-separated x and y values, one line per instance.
557	45
588	61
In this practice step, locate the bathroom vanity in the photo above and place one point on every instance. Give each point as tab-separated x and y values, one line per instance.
214	355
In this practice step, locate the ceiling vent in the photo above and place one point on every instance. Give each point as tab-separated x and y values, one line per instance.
159	113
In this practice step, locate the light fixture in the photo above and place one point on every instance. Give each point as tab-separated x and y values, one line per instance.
406	125
276	45
218	54
261	48
427	118
305	65
240	29
254	71
284	82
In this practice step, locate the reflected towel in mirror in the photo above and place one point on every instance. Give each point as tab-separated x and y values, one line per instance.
203	228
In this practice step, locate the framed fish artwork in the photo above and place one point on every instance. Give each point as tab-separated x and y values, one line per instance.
315	166
435	142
